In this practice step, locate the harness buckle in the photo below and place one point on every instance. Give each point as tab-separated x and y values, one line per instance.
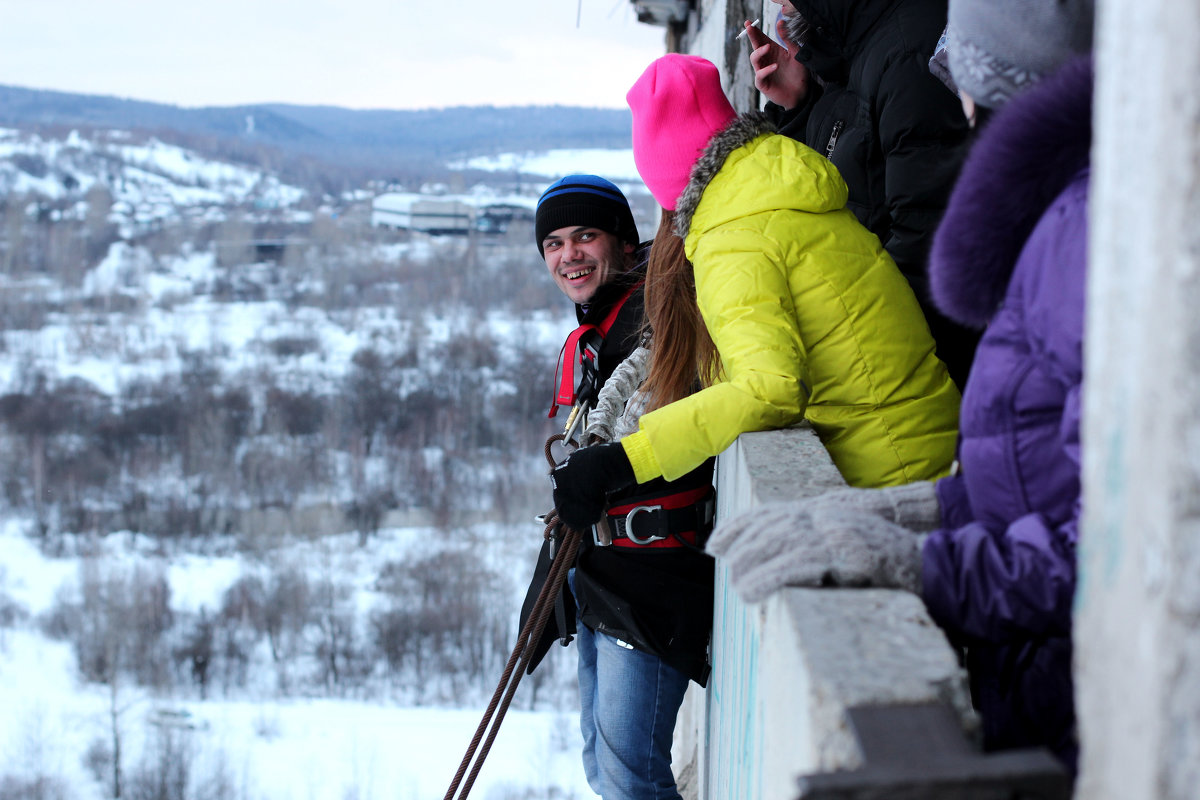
630	535
601	534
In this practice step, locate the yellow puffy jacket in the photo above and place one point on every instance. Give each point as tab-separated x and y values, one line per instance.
811	318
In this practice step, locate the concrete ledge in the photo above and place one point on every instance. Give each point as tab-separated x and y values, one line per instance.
787	672
918	752
866	647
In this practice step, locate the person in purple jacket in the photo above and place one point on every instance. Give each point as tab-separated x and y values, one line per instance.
991	548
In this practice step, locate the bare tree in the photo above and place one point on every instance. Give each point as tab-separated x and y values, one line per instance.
198	650
233	242
165	771
116	620
442	618
336	648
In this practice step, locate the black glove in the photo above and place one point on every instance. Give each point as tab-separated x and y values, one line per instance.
582	482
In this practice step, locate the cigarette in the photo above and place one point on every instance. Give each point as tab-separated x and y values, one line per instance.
746	30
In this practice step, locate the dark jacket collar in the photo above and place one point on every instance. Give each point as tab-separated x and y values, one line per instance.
1026	155
615	289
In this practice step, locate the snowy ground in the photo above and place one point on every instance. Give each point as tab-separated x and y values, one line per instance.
616	165
304	749
253	750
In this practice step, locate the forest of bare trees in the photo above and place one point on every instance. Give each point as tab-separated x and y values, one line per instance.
291	457
190	451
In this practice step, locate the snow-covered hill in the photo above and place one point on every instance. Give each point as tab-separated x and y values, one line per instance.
285	462
148	181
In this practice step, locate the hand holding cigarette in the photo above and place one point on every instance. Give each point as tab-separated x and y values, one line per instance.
777	73
746	29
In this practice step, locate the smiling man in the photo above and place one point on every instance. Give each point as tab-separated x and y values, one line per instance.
640	602
586	233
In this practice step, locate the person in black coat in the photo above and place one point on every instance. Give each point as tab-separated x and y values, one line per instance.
642	586
854	84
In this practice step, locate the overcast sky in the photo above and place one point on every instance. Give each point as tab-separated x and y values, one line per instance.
354	53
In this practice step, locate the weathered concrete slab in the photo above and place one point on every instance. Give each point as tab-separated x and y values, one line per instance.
786	671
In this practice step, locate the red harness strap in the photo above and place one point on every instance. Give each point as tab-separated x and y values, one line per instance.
667	503
570	355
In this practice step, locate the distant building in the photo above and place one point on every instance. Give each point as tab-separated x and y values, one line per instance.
414	212
448	215
497	217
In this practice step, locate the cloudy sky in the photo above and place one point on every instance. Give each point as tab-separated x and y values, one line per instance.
354	53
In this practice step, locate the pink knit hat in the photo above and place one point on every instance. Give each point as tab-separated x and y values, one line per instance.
677	106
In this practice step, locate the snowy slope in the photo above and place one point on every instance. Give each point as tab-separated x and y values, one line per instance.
148	181
136	314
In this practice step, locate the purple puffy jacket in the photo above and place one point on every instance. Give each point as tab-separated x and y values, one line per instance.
1011	254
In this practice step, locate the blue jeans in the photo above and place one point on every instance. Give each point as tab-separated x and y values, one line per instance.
628	704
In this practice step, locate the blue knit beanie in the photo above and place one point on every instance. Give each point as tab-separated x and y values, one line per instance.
587	201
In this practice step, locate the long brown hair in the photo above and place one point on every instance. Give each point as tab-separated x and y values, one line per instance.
683	352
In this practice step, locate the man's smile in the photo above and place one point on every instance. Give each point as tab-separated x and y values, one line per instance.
583	272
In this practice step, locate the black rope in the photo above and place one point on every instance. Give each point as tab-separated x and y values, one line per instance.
531	631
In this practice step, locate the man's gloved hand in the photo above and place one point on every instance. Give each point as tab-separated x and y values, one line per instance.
582	482
849	537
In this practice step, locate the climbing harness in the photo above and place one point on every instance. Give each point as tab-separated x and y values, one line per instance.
682	519
531	631
661	515
582	348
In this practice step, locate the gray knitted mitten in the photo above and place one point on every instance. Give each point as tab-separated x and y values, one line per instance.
834	549
849	537
913	505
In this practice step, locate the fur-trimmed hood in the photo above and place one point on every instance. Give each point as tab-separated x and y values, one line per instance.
1030	151
763	170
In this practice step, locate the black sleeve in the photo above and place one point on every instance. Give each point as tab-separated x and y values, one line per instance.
921	131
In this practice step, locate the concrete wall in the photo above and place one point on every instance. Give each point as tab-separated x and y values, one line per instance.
711	31
1138	599
1138	603
786	671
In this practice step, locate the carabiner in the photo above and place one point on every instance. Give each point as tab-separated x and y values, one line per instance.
629	525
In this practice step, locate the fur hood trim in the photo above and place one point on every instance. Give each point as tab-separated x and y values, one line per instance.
1029	152
738	133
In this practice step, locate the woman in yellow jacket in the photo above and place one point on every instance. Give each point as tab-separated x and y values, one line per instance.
772	293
